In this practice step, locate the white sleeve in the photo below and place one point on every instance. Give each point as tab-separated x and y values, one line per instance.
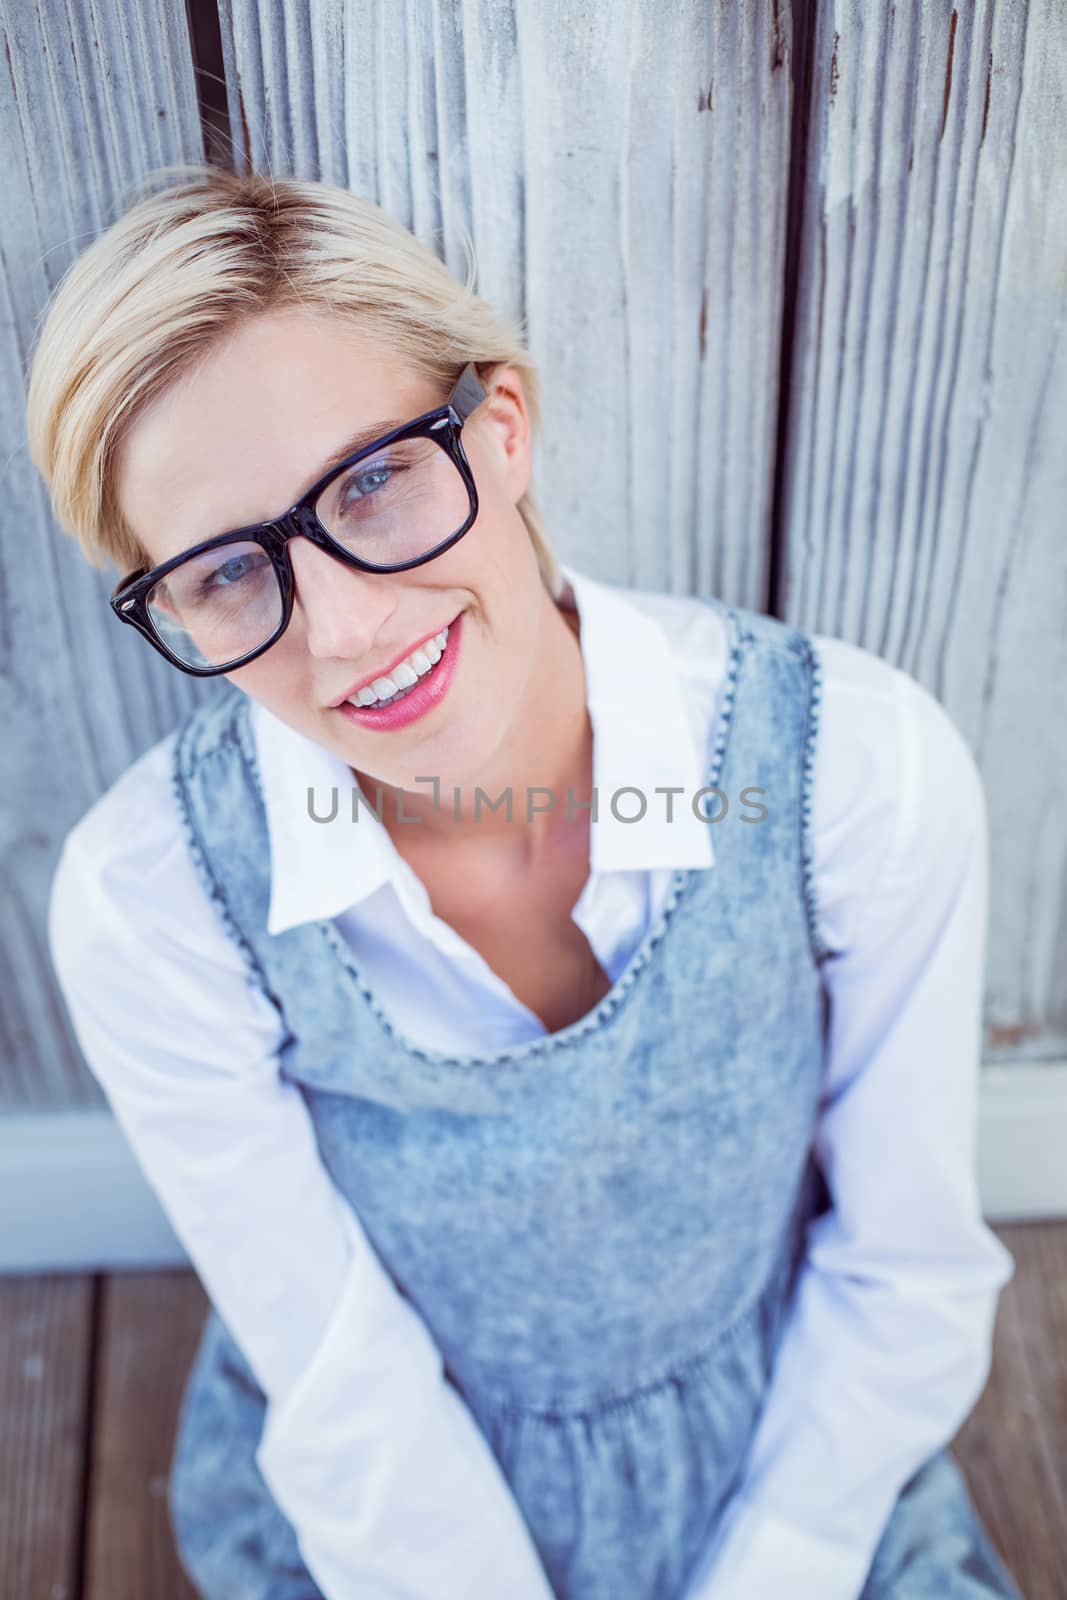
888	1343
367	1448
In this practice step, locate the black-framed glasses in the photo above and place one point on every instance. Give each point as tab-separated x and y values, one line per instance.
397	502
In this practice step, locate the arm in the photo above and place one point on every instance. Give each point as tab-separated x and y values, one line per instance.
367	1448
888	1342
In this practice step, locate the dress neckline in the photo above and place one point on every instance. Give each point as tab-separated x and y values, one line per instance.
560	1042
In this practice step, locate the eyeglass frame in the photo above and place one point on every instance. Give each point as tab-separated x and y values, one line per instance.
443	425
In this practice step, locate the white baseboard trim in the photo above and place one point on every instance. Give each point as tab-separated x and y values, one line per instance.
1022	1142
73	1199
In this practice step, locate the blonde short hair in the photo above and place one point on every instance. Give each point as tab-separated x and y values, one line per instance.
184	264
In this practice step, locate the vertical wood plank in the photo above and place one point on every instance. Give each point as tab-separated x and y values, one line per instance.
624	185
149	1327
92	97
925	475
45	1367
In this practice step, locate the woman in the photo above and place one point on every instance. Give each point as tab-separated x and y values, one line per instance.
587	1207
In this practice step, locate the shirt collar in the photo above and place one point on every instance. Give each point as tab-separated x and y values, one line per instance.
642	740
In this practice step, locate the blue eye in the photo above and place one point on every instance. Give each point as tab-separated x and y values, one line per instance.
361	485
230	572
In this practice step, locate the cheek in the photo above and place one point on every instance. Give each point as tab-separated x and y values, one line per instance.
277	678
500	558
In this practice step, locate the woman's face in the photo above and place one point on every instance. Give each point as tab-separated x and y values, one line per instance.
246	434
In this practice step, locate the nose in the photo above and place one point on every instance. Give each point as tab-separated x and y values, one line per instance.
342	610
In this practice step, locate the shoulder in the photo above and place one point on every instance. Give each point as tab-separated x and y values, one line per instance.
128	830
880	735
125	882
882	727
897	794
128	823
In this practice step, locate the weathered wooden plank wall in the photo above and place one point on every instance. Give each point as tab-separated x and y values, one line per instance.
925	475
624	179
92	98
625	183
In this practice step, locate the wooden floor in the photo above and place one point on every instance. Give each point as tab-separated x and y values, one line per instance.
92	1370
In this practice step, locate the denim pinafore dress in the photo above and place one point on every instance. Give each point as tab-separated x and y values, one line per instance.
601	1227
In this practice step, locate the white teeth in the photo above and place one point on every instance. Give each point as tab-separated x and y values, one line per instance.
404	676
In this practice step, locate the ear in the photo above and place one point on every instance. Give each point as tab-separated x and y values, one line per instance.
507	433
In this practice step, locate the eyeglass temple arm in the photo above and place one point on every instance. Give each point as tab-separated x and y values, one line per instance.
469	392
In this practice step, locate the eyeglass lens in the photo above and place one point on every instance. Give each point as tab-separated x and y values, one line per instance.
396	505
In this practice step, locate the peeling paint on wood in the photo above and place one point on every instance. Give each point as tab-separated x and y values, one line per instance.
948	71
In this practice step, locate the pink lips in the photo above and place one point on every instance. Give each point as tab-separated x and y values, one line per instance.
383	672
425	695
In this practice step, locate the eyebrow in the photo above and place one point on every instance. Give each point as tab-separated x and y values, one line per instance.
356	443
351	447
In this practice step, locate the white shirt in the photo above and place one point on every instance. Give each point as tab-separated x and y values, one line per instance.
372	1455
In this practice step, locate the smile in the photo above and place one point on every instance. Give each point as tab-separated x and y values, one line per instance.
401	679
413	689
